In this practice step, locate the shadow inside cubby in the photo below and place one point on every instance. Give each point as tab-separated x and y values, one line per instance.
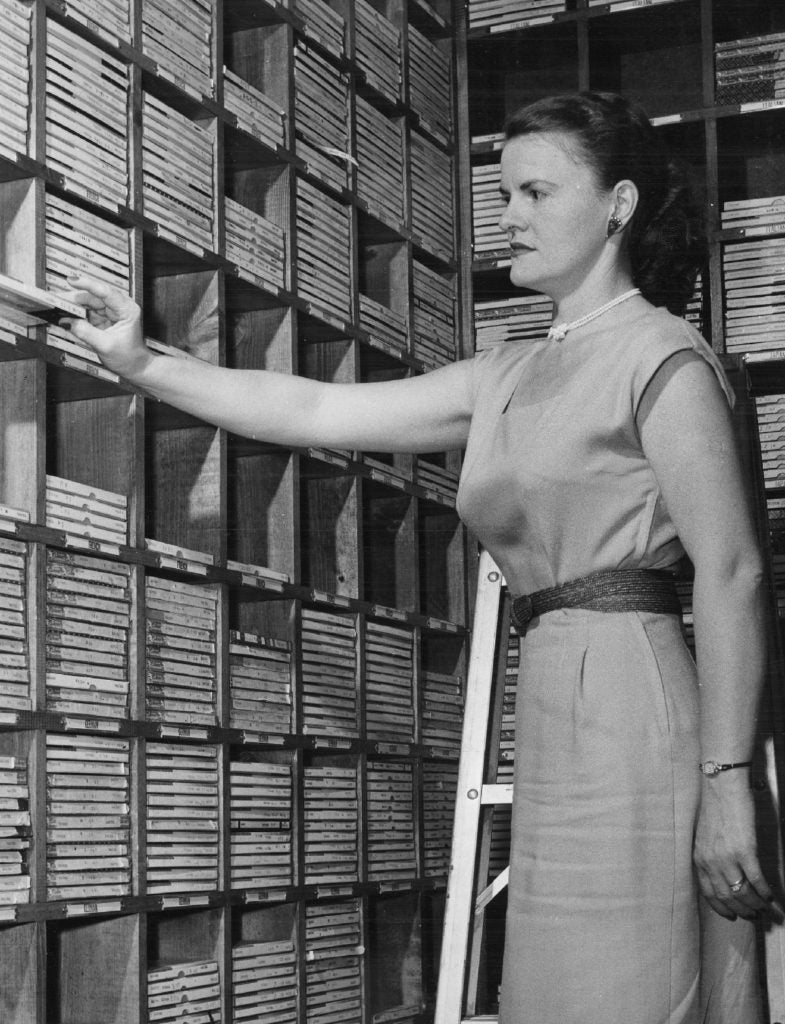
734	19
183	482
328	528
441	563
651	55
751	156
507	71
395	937
389	532
191	940
92	972
20	970
261	519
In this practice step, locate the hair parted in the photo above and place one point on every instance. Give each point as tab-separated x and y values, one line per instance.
666	235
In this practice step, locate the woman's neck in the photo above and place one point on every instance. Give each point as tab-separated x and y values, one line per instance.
590	295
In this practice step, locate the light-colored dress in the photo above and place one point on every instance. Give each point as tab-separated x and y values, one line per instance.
602	921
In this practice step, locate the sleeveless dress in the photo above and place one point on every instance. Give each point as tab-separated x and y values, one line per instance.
603	925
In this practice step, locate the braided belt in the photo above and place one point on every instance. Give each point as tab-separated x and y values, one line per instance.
612	590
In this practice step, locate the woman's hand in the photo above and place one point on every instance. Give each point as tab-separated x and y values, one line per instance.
726	859
113	328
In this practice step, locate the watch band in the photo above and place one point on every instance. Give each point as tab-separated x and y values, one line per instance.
712	768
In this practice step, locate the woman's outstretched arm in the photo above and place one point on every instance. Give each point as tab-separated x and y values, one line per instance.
419	414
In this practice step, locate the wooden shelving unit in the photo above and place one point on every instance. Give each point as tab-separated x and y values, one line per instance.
352	568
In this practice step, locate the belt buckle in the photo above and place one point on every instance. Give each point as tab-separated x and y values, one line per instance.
522	612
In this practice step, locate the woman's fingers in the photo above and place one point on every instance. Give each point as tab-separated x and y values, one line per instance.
101	298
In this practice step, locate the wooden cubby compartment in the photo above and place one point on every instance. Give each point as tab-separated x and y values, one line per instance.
508	71
395	955
441	551
93	970
389	539
329	527
20	971
652	56
262	514
751	160
738	19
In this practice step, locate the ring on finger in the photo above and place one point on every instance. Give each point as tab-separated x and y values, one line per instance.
738	885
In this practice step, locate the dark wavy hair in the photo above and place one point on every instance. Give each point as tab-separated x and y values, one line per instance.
666	235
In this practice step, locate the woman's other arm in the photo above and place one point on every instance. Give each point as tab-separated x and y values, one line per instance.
419	414
689	439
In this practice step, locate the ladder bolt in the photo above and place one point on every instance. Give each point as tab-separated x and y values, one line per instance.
473	794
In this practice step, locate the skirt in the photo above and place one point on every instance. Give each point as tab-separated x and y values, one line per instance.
603	921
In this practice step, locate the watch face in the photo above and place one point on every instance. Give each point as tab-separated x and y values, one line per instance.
710	768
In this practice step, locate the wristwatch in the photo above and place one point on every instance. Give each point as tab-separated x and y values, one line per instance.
712	768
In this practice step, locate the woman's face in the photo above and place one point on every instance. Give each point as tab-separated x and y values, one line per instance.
555	217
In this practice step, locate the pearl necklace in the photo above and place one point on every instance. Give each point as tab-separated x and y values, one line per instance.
559	331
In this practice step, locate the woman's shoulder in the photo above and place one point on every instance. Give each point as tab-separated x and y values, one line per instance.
657	335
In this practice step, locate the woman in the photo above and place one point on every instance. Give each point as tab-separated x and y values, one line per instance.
606	447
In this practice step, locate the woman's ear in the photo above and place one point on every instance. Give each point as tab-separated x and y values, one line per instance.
625	200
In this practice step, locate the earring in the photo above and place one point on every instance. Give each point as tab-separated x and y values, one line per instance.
614	225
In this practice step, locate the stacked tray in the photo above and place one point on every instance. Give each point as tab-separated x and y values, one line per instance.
380	171
323	245
433	212
14	635
442	715
82	510
256	113
260	801
77	240
256	245
754	278
378	50
437	479
14	830
183	789
88	824
329	670
520	318
181	628
440	782
390	821
489	241
501	15
177	173
750	70
264	982
323	25
434	317
88	624
430	87
389	683
15	45
179	38
87	94
321	112
388	329
334	966
260	670
331	815
188	993
102	16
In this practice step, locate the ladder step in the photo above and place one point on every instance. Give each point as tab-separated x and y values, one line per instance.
482	1019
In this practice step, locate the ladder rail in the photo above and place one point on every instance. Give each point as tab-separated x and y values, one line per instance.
468	805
